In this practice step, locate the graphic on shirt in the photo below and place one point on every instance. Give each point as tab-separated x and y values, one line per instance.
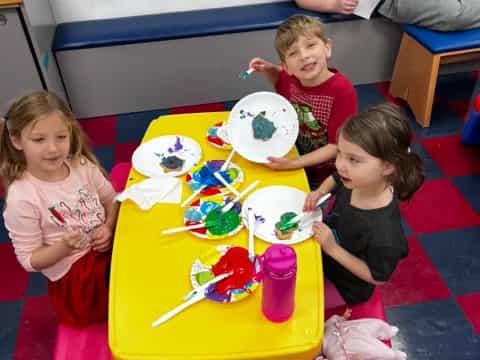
86	211
314	112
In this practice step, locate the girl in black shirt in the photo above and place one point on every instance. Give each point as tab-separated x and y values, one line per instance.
362	238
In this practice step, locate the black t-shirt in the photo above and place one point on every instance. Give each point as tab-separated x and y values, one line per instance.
375	236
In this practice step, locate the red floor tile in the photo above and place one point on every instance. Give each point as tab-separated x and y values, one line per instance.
100	131
438	206
382	87
460	108
454	158
198	108
123	152
38	330
469	304
415	280
14	278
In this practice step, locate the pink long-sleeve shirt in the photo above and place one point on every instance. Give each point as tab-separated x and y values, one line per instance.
78	199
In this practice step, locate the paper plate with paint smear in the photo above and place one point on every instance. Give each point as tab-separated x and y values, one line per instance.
219	225
202	175
224	259
170	155
262	124
217	136
269	204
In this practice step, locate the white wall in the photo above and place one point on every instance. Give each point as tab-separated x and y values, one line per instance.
76	10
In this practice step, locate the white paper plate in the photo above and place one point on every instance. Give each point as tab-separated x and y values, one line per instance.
278	110
217	136
269	203
201	272
197	212
147	157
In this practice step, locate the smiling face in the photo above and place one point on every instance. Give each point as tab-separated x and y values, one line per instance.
45	144
358	169
306	59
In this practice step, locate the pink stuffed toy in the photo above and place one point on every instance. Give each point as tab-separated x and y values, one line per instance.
358	340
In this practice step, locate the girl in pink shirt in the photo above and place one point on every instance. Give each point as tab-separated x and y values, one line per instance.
60	211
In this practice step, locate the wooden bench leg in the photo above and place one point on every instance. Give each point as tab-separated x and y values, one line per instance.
415	77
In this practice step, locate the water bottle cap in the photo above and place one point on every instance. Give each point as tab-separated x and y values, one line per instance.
280	259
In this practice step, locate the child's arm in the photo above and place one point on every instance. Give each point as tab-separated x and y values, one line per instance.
316	157
269	70
48	255
22	218
102	237
112	214
328	185
338	6
323	234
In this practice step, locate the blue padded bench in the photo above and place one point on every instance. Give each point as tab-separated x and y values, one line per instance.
159	61
169	26
421	53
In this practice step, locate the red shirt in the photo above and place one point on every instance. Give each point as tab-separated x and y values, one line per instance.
321	109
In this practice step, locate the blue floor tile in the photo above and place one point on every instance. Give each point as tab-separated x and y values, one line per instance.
10	314
106	156
406	228
434	330
37	284
462	83
432	171
444	122
131	127
368	96
455	254
469	186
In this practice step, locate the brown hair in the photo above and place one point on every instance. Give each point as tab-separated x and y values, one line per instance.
384	132
25	110
296	25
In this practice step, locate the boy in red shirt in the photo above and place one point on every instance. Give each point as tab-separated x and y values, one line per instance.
323	97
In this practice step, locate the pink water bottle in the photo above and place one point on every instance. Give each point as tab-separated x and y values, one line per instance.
279	277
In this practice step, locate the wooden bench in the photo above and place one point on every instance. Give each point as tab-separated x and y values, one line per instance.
421	53
150	62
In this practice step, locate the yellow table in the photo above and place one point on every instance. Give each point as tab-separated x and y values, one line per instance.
150	274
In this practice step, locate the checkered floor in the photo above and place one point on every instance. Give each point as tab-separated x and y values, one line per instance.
433	296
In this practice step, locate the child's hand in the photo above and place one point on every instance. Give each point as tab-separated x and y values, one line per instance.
311	200
75	239
324	235
280	163
264	66
102	238
346	6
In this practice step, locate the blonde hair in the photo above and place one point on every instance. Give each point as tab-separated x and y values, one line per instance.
26	110
291	29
